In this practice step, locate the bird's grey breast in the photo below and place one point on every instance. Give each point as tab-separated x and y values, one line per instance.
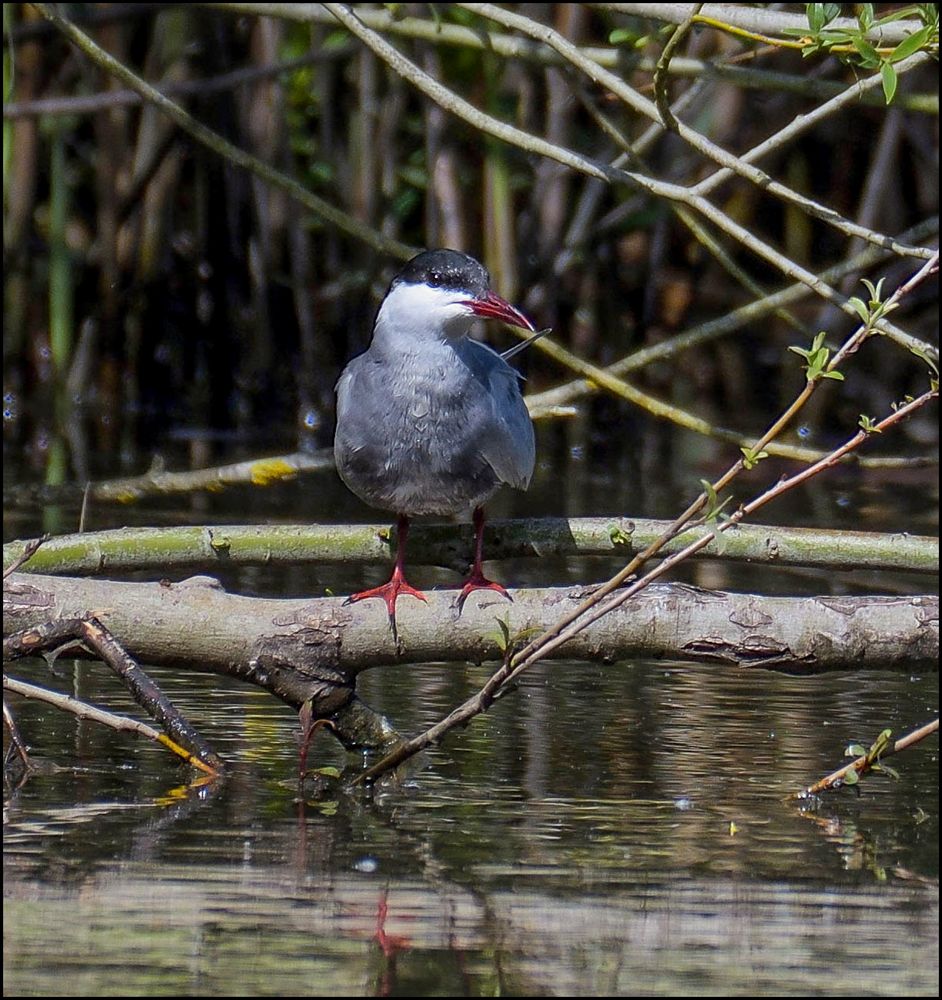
430	431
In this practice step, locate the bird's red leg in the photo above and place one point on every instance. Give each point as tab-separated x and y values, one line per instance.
397	582
476	579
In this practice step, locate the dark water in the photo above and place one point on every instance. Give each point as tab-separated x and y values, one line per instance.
607	830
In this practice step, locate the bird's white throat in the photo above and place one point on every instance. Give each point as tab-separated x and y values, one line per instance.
414	314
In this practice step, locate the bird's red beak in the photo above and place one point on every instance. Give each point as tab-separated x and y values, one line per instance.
492	306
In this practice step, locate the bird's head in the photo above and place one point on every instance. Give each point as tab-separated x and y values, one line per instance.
438	294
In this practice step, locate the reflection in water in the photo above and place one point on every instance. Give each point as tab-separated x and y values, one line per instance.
232	931
607	830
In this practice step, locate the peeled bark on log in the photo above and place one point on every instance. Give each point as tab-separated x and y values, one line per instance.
304	648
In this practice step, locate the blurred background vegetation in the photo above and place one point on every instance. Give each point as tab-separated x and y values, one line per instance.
154	288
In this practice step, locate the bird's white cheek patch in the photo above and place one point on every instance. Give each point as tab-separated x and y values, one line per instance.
410	309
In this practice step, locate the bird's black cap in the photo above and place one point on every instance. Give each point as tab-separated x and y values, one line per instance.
449	269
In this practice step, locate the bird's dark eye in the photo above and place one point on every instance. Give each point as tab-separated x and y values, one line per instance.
435	279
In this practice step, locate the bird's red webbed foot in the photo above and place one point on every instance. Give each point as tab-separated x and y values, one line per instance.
478	581
396	584
389	591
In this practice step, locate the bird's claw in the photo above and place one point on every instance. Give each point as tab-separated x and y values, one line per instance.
389	592
479	582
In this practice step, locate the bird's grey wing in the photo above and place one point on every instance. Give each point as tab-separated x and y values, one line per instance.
507	442
359	415
345	412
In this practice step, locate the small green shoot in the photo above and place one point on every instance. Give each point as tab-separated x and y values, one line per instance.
851	44
220	544
868	425
817	357
713	502
505	641
502	637
714	514
871	758
628	37
751	458
618	535
875	308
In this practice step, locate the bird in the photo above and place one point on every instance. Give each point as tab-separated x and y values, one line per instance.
430	421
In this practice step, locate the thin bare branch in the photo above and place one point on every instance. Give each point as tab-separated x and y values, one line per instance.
439	32
323	209
82	710
750	18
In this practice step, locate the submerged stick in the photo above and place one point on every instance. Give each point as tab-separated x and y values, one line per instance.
89	631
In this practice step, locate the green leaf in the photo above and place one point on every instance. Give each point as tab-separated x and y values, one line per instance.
922	355
897	15
889	81
913	43
502	638
862	311
836	375
618	535
870	56
890	772
718	539
851	778
855	750
620	35
821	14
817	357
881	742
837	36
713	504
710	492
220	543
751	458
